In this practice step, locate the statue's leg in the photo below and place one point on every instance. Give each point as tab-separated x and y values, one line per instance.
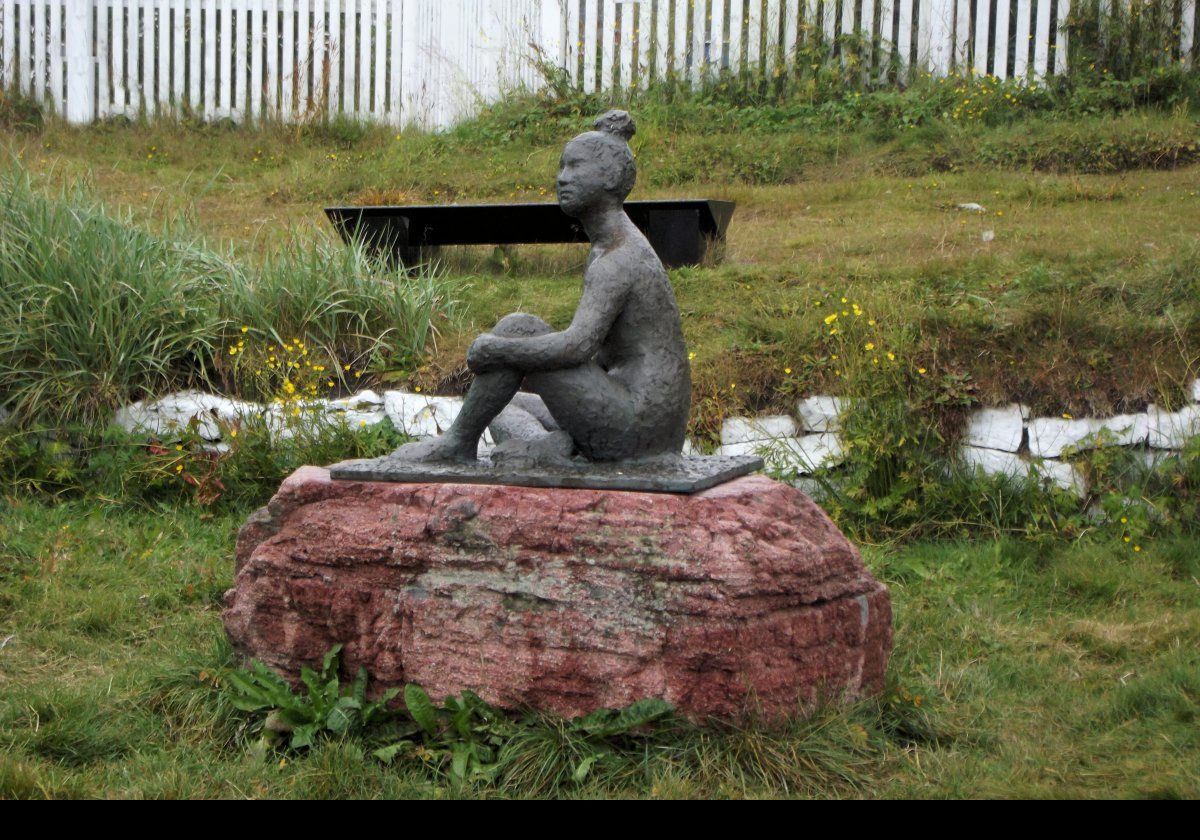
524	418
486	398
597	410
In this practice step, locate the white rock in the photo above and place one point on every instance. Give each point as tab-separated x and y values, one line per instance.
768	427
172	414
1050	436
993	461
972	207
987	236
1062	475
997	428
1195	389
363	409
689	448
813	452
1171	429
1151	458
804	455
363	400
819	413
419	416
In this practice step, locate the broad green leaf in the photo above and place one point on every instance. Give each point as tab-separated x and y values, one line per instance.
421	708
329	665
388	754
582	769
303	736
459	761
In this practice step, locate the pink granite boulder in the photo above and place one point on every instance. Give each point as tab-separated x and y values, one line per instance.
743	598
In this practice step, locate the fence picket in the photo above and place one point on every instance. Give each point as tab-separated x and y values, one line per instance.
679	42
885	39
966	47
363	108
54	49
1041	39
645	27
1000	56
625	57
349	53
8	76
829	21
38	12
1021	40
791	10
241	47
770	35
904	34
1187	31
1060	45
77	35
379	94
737	48
754	36
608	13
178	90
397	34
103	87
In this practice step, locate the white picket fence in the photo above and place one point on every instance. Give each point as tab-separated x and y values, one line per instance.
432	62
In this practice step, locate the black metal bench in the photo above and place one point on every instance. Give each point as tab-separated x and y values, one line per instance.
680	231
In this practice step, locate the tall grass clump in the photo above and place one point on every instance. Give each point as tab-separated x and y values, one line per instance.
96	312
350	306
93	310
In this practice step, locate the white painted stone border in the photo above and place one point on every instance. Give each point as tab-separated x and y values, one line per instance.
1001	440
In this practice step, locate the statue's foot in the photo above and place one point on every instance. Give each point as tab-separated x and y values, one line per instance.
438	450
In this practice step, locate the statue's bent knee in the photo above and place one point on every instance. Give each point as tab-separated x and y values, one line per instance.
521	324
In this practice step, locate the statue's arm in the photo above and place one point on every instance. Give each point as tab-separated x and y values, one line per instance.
604	296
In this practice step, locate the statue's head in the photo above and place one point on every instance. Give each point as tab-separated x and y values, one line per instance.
597	166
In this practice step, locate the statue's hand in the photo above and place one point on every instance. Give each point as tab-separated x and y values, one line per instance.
484	355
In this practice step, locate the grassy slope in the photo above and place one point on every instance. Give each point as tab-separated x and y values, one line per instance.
1086	300
1019	671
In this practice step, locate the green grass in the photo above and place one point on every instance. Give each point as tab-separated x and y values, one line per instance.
96	312
1084	301
1019	670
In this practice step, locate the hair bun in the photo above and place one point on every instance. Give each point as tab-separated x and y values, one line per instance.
617	123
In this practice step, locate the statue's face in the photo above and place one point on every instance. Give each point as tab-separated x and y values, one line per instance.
582	178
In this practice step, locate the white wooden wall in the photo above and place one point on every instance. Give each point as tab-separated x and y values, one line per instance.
431	62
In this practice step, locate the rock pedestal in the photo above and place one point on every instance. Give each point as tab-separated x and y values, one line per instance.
742	598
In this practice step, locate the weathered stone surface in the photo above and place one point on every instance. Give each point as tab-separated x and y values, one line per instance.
819	413
363	409
739	597
1062	475
1172	429
1047	472
421	416
171	414
765	427
997	428
805	454
994	461
1049	437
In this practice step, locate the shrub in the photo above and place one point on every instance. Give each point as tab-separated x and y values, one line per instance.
96	312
